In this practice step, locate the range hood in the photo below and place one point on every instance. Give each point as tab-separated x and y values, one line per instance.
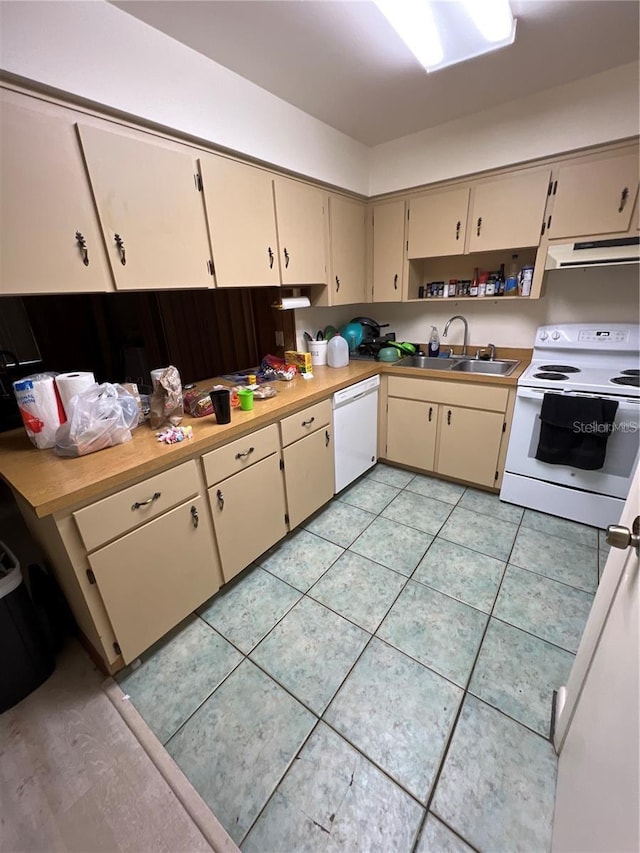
593	253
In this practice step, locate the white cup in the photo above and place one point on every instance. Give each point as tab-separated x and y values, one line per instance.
318	350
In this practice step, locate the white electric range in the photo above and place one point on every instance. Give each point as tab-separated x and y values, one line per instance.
582	360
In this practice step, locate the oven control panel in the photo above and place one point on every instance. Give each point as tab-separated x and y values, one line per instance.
610	335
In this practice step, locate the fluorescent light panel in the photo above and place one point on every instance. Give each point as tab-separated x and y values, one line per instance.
443	32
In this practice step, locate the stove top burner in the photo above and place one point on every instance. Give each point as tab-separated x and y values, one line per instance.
560	368
557	377
627	380
630	372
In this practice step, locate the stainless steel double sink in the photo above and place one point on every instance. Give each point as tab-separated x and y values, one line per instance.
462	364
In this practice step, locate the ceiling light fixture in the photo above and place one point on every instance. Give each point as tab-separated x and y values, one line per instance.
443	32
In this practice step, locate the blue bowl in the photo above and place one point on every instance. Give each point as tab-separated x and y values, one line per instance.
353	334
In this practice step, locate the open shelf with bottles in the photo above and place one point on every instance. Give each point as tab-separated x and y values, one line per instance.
422	271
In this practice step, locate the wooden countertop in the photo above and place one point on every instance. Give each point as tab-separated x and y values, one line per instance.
50	483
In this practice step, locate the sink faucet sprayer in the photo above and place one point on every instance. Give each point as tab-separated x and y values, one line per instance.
465	340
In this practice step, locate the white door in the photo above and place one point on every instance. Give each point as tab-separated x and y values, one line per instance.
597	731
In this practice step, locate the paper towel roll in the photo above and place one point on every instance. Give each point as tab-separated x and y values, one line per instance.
70	384
40	408
293	302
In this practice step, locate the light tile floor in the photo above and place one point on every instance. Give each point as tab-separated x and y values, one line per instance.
382	679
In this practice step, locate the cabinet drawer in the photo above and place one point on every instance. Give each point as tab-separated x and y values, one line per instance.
240	454
305	422
470	396
119	513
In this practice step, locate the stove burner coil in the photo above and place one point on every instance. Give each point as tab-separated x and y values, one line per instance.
627	380
558	377
560	368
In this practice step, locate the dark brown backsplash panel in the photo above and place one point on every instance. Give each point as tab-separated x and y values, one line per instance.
124	335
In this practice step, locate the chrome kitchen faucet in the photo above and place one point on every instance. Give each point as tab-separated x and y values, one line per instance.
465	340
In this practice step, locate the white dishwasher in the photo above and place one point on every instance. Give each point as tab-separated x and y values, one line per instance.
355	430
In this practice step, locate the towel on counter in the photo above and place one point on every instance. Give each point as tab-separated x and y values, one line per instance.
574	430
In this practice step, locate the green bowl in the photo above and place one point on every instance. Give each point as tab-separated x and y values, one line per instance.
388	354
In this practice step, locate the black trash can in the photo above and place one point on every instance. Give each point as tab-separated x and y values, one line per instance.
25	659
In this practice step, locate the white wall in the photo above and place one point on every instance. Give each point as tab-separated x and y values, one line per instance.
593	110
96	51
590	295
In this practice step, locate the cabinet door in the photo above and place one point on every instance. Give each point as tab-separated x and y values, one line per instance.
595	198
308	474
388	251
348	235
46	210
508	212
411	432
150	210
242	224
152	578
437	224
248	514
300	216
468	444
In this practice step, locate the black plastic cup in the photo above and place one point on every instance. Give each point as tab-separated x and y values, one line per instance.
221	399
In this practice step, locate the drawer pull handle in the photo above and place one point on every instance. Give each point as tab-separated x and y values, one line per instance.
286	258
479	226
458	224
308	423
430	413
624	195
270	253
220	497
245	454
395	281
120	245
327	438
82	244
337	284
138	504
194	516
449	416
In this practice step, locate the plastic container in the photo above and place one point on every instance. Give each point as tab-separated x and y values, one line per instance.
318	350
337	352
511	281
525	280
434	343
25	660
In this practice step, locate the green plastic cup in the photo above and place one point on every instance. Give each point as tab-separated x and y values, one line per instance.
245	395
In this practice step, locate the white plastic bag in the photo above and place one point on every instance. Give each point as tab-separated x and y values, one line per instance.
100	416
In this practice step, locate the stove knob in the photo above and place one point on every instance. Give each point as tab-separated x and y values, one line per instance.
544	336
555	335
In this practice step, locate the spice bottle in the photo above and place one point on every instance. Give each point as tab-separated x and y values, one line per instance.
473	290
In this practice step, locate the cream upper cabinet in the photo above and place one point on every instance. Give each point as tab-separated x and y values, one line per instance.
388	251
50	240
437	223
347	282
300	218
150	210
242	225
508	212
594	198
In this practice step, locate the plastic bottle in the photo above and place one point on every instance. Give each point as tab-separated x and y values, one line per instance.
473	290
337	352
511	283
434	343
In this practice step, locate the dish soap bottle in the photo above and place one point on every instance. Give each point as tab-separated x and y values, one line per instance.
337	352
434	343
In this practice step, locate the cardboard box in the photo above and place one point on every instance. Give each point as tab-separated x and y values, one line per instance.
302	360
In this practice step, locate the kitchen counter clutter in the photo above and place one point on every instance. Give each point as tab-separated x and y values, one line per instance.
145	528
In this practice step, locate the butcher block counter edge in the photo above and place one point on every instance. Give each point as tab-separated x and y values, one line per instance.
51	484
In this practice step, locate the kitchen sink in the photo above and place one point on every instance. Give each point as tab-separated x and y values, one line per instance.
425	362
493	368
499	367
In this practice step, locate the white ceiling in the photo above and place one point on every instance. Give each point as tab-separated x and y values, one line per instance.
341	62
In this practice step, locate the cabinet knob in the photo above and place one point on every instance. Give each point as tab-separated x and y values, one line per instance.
479	226
194	516
220	497
327	438
458	225
270	257
395	281
82	243
430	413
449	416
286	258
120	245
337	284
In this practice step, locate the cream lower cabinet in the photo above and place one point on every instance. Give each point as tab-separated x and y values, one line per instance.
247	498
307	440
453	428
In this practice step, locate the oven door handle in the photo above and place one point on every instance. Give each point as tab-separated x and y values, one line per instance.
538	394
